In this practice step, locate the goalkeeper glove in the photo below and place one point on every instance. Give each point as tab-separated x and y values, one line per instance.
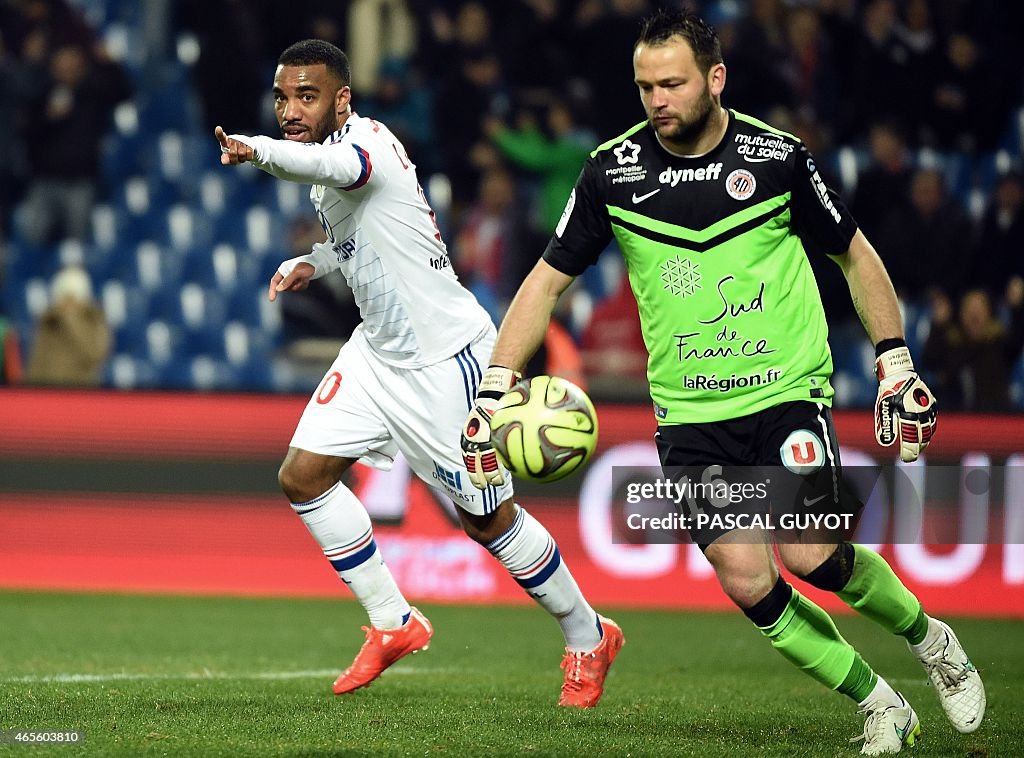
905	407
477	451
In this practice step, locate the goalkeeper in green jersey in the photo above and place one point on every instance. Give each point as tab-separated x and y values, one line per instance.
716	215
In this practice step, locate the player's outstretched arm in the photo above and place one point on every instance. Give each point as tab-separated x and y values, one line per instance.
336	165
905	407
521	334
232	150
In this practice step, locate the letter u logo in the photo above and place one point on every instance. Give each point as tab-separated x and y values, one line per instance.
804	456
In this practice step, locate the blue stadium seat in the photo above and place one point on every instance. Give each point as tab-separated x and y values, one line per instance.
207	373
125	371
1017	383
163	342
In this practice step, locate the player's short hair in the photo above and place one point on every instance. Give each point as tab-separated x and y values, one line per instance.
311	52
664	24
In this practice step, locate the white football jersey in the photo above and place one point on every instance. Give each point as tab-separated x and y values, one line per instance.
385	240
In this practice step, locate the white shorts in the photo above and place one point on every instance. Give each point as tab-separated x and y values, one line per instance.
367	410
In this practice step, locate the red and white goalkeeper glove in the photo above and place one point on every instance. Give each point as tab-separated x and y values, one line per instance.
905	407
477	452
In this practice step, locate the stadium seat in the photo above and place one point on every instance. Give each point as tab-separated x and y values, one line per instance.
156	267
163	342
1017	384
206	373
125	306
186	228
104	226
124	371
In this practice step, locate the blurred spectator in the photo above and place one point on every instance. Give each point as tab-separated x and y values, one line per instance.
493	249
883	189
920	42
555	157
69	112
558	355
228	75
319	319
72	337
539	27
810	69
1000	250
15	87
406	105
881	81
604	36
614	353
928	243
967	110
319	19
36	28
11	368
470	79
757	51
378	29
972	359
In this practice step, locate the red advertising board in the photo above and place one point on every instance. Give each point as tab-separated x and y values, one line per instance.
190	541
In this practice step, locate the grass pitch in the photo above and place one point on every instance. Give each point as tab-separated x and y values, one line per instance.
175	676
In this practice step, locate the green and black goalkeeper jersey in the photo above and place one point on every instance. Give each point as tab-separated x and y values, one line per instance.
716	250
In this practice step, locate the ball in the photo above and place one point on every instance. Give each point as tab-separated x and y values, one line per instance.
544	429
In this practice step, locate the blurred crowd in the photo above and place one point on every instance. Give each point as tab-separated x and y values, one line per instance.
912	107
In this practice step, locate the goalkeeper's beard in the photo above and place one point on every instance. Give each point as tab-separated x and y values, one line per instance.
689	127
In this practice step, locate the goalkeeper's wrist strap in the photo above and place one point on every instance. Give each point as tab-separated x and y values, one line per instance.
889	344
894	361
497	380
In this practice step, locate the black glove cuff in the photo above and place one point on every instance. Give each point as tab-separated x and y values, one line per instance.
889	344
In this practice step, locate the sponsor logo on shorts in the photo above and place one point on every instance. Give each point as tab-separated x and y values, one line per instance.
450	481
803	452
446	477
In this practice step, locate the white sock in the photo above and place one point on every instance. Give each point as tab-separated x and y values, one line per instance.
531	556
340	523
934	633
883	693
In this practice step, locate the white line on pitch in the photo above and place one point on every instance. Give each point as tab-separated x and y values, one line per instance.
127	676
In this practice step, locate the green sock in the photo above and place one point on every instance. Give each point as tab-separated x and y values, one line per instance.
875	591
807	637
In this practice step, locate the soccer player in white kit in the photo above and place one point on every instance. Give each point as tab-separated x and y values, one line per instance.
405	379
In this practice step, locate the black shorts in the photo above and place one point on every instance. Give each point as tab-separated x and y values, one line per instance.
778	469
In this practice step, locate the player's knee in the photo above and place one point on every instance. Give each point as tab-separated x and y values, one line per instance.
746	572
299	482
304	476
828	567
488	527
746	590
745	583
291	484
